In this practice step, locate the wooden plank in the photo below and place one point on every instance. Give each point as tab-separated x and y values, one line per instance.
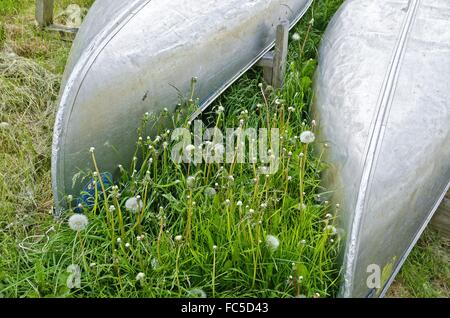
61	29
441	220
280	54
266	60
44	12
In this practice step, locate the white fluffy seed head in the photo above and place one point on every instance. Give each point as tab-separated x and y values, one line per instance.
78	222
178	238
190	181
272	242
307	137
197	293
210	192
140	276
134	204
190	148
296	37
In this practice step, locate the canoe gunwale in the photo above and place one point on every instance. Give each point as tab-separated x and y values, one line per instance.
213	97
414	242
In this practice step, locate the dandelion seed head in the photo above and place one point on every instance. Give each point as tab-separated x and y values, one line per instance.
190	148
197	293
119	240
239	203
69	197
210	192
127	245
307	137
178	238
190	181
272	242
78	222
112	208
140	276
296	37
134	204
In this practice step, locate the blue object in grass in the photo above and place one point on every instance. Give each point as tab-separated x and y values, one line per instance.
87	196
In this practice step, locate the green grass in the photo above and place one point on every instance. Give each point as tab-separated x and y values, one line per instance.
37	250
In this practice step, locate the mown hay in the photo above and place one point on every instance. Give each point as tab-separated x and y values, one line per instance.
27	106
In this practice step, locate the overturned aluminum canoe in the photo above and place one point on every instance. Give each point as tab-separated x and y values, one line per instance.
383	106
128	58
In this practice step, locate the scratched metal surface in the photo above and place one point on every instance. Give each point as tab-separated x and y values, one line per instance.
383	106
126	60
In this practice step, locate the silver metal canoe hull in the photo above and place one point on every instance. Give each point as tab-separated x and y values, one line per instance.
128	57
383	107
